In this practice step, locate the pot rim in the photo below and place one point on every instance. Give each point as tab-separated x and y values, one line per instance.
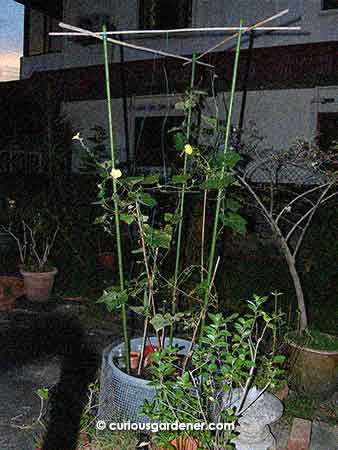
132	379
54	271
313	350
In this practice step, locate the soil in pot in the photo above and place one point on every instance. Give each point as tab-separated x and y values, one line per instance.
314	364
38	285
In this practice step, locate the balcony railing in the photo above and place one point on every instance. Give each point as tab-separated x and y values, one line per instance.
21	162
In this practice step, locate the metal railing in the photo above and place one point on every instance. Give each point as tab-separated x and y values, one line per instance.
21	162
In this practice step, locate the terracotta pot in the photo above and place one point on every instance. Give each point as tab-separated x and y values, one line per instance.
106	260
182	443
283	393
134	359
15	286
38	285
313	371
148	350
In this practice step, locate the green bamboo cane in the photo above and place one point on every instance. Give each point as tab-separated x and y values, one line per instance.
182	198
116	206
220	190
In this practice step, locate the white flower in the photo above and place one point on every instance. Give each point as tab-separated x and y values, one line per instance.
76	137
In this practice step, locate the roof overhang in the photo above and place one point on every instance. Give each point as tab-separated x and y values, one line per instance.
50	7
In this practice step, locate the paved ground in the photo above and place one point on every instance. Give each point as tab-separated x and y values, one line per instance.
20	405
323	437
19	402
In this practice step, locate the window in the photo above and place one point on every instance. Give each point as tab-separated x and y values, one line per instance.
329	4
165	14
154	146
37	39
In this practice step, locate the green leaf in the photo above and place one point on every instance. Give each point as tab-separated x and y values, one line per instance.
236	222
180	179
232	205
151	179
133	180
231	158
227	160
127	218
141	310
168	217
147	199
159	322
157	238
179	141
43	393
279	359
113	298
218	182
211	121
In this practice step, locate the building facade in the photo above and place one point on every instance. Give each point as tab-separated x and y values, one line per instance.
289	79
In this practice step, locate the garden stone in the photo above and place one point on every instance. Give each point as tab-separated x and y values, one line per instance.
254	431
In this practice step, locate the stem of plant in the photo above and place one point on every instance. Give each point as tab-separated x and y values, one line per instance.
181	205
116	206
220	190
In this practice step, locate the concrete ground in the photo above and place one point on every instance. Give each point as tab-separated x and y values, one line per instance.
19	402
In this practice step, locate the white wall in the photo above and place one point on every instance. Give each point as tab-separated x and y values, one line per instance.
280	116
83	115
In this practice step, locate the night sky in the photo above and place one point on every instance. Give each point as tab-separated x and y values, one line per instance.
11	39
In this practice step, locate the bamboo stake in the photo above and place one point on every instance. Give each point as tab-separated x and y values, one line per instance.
83	32
220	190
253	27
181	209
116	206
178	31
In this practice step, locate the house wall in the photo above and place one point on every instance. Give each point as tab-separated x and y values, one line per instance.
317	26
280	116
84	116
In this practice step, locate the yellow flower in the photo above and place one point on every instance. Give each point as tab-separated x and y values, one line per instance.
188	149
116	173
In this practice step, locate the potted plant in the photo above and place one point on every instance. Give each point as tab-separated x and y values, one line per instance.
290	214
39	229
223	365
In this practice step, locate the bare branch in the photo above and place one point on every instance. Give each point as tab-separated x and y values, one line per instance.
304	194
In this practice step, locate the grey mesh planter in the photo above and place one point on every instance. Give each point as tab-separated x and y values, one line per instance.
122	395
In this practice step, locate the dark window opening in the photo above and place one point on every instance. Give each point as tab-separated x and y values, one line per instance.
165	14
154	146
328	130
329	4
37	39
